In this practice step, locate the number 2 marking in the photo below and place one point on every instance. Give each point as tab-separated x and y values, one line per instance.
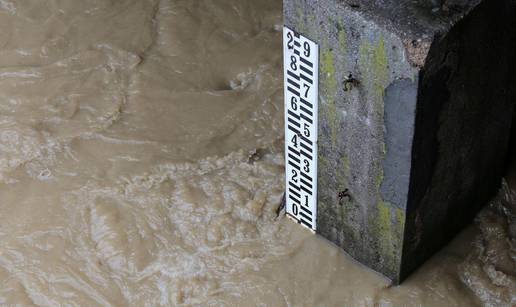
294	176
290	43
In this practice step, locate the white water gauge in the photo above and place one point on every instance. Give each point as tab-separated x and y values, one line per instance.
301	79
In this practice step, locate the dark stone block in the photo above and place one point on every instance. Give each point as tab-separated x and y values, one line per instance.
420	136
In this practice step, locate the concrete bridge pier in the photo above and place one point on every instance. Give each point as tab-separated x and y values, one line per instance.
415	108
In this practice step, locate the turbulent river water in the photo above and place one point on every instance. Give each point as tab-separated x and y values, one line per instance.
141	164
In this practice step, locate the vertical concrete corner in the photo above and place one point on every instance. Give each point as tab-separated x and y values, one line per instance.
415	106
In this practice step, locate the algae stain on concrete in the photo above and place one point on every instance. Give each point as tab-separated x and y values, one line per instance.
323	179
341	38
300	16
390	226
305	20
387	221
400	225
329	91
311	20
345	165
380	71
385	233
374	68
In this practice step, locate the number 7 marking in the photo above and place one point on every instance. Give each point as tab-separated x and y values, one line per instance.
307	89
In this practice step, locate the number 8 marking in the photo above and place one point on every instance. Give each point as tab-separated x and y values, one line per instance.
293	62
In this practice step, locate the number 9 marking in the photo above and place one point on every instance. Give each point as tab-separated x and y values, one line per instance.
306	46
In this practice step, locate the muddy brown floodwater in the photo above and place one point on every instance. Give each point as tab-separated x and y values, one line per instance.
141	164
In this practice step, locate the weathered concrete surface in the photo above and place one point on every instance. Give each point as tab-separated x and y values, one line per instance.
419	138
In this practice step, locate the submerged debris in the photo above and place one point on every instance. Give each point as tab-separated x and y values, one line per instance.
257	154
282	204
